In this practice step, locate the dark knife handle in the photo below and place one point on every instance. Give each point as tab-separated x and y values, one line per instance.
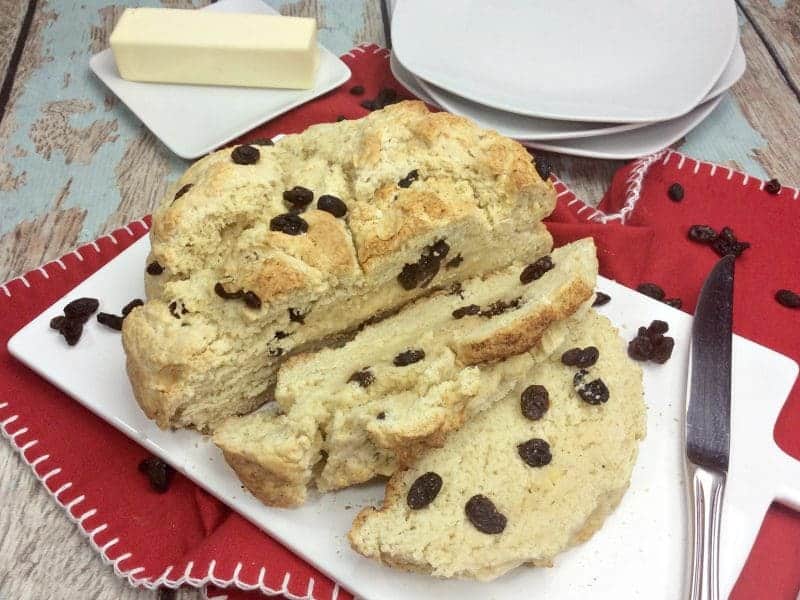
706	488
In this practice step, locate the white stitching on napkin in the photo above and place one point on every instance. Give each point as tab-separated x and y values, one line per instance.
633	189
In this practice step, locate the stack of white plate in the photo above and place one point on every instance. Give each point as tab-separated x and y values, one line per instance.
614	79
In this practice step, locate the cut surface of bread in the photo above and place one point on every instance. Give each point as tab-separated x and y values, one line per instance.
351	413
252	260
507	489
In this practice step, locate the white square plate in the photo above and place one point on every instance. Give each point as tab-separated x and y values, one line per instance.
638	553
193	120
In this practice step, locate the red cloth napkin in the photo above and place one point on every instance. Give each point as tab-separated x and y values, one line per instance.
187	537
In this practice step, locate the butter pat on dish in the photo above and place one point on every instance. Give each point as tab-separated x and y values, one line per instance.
196	47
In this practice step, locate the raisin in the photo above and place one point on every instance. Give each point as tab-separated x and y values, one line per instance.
298	196
288	223
182	191
657	327
71	329
652	290
456	289
470	309
534	402
173	309
109	320
773	186
357	90
534	271
131	305
365	377
158	473
424	490
422	272
245	155
409	357
499	307
406	181
219	289
381	416
384	98
252	300
787	298
154	268
601	299
57	322
454	262
673	302
640	348
543	168
662	350
580	357
593	392
675	192
484	516
81	309
279	335
332	205
702	234
262	142
535	452
296	316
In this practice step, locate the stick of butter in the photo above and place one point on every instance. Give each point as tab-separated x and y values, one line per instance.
200	47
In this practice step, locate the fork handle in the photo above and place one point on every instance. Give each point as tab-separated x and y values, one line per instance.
705	494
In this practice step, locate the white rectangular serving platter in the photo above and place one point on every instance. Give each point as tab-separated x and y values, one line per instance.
192	120
639	552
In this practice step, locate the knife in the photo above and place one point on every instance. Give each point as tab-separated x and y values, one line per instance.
708	425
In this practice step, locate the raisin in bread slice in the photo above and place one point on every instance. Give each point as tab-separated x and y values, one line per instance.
529	477
248	268
403	383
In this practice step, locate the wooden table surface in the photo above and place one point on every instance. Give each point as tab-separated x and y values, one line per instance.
75	163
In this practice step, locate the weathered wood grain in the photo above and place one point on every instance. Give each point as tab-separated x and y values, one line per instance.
12	12
778	23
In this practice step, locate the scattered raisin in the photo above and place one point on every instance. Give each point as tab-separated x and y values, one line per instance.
601	299
422	272
543	167
534	271
534	402
57	322
409	357
296	316
81	309
652	290
252	300
332	205
365	377
288	223
580	357
409	179
470	309
298	196
158	473
454	262
662	349
154	268
675	192
219	289
702	234
787	298
71	329
673	302
109	320
535	452
173	309
657	327
245	155
640	348
484	516
182	191
131	305
594	392
424	490
357	90
773	186
650	343
381	416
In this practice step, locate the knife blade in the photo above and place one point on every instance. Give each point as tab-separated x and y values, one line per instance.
708	426
708	408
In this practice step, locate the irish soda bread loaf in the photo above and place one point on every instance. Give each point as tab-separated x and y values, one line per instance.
351	413
532	475
247	267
